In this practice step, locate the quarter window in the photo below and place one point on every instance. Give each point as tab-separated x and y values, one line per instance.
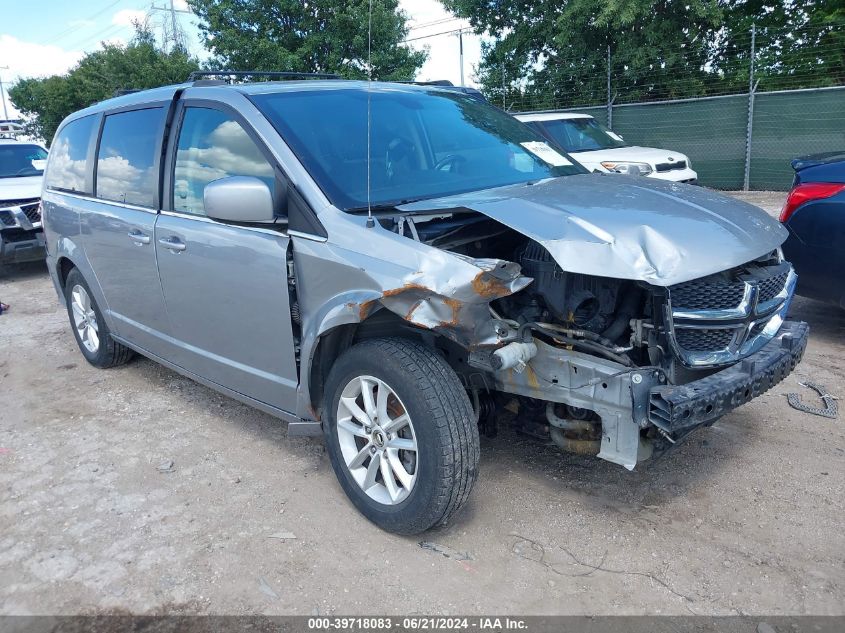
126	157
213	145
67	168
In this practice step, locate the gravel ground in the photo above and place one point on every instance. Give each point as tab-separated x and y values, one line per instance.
136	489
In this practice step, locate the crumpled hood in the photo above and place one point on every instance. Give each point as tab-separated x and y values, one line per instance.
22	188
627	227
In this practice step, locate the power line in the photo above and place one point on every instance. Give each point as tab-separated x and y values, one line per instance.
433	23
67	31
423	37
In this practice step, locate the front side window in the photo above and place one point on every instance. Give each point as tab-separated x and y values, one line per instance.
20	159
67	167
126	157
213	145
582	135
423	144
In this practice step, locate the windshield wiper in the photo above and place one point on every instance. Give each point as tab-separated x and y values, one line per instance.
386	206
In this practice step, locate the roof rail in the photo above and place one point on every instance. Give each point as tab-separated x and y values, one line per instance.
232	74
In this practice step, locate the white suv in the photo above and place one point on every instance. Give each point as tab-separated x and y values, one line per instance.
21	169
600	149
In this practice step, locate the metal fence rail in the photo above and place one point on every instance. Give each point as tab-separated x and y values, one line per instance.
715	134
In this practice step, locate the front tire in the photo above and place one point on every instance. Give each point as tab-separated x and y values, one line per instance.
401	434
89	328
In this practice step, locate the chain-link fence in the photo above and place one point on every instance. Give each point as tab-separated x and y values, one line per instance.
714	132
780	94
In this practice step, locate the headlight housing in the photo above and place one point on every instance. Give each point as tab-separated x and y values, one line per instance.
631	169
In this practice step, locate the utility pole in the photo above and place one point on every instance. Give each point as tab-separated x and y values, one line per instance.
3	94
174	33
752	87
461	53
609	97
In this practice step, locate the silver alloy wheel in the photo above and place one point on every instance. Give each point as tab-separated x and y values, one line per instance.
85	319
377	440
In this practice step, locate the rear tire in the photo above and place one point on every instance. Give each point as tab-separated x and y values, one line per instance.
418	421
89	327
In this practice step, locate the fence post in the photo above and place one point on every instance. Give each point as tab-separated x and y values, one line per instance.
609	99
752	87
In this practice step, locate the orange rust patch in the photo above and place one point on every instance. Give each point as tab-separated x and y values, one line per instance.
455	306
488	287
365	308
531	377
407	287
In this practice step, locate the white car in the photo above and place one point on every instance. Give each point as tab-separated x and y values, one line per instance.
600	149
21	170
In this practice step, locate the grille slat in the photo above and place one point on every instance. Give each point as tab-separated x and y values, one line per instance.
32	213
6	204
705	295
694	340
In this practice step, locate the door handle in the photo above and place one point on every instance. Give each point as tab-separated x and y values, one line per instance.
139	238
173	243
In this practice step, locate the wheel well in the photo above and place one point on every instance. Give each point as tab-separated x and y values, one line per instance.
64	267
330	345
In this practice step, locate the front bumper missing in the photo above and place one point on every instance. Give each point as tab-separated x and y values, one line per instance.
676	409
629	401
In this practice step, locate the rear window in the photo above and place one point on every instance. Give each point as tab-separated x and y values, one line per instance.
126	157
67	168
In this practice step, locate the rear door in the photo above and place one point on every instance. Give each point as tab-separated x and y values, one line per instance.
117	226
225	285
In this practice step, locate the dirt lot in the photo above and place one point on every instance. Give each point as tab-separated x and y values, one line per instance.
744	518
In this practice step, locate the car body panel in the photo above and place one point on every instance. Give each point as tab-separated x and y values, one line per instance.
680	232
227	296
816	242
118	242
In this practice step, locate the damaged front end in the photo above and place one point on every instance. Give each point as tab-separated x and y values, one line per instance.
615	342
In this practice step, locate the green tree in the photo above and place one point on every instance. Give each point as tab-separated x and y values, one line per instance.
556	50
553	53
313	36
99	75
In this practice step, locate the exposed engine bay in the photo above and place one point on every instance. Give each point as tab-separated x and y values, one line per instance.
576	349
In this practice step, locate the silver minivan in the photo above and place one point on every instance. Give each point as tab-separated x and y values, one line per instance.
401	268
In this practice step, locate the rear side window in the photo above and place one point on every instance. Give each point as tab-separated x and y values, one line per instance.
213	145
126	157
67	168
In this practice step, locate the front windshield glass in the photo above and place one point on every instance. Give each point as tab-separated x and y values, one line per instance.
19	159
424	144
582	135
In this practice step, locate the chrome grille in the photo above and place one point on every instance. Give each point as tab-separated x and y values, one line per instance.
32	213
714	320
700	294
7	218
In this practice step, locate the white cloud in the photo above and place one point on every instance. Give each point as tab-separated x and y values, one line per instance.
31	59
127	17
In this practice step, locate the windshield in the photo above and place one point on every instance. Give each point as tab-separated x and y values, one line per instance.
424	144
582	135
21	160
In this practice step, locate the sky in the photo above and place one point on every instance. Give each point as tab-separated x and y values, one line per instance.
46	37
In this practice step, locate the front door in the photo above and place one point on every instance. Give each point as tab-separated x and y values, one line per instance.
225	286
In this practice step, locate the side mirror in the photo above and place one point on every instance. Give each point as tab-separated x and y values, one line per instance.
239	199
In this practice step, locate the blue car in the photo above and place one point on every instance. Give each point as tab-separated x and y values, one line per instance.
814	214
